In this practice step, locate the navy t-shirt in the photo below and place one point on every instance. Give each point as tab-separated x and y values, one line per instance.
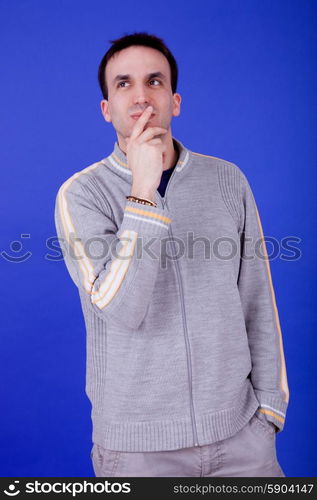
166	174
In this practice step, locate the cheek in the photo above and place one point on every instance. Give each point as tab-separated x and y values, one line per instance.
171	108
116	105
117	112
112	109
165	105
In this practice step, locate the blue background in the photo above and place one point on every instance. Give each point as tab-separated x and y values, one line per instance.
247	76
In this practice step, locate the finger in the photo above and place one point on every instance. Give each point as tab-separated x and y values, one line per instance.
150	132
157	141
154	142
141	122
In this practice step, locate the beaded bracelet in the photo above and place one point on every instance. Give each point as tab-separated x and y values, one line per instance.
143	201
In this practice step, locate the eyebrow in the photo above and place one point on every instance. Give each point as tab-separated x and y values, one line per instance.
150	75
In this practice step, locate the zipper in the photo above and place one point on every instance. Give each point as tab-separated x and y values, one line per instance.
189	366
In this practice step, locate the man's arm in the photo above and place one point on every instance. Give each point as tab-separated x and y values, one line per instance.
268	374
112	265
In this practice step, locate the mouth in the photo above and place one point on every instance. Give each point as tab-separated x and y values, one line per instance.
136	117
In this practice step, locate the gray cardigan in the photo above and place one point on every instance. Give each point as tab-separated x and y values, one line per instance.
183	336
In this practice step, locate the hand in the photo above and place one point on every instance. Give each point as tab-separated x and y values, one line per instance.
261	416
145	156
273	425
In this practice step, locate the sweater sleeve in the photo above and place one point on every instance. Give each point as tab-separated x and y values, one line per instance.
268	374
116	266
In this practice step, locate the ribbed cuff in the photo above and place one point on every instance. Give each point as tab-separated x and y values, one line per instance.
145	219
273	407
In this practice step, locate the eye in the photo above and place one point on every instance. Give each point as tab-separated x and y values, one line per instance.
123	82
119	84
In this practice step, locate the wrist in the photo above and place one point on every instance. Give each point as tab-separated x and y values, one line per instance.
143	193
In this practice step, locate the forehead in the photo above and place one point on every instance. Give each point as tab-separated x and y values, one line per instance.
137	61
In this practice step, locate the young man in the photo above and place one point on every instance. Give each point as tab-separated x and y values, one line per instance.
185	364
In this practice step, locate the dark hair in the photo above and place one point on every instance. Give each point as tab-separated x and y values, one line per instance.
141	38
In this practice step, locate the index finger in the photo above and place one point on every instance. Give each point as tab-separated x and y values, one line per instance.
141	122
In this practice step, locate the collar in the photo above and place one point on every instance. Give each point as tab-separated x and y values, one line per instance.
117	160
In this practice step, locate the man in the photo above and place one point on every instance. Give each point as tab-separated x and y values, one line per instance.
185	364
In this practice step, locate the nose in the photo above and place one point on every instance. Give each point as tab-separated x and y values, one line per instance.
141	95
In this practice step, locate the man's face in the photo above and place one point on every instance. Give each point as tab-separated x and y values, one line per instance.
133	93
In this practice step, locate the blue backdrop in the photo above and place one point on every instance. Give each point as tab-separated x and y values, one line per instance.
248	83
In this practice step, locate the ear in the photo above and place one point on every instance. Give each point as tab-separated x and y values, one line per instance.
104	105
177	99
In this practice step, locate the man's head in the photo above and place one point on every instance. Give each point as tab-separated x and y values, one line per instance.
136	71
